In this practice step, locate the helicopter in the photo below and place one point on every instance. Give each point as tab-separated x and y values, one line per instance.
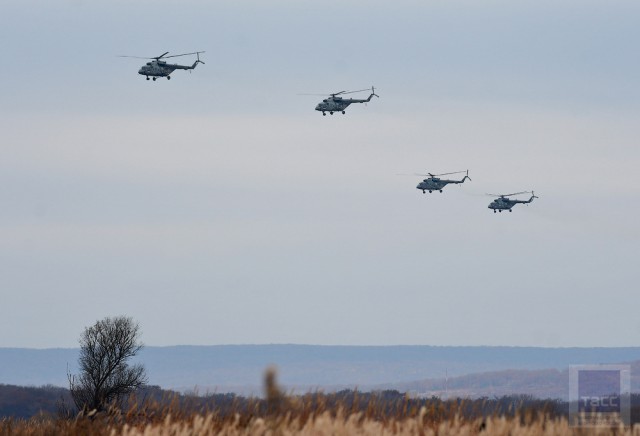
335	103
434	183
504	203
159	68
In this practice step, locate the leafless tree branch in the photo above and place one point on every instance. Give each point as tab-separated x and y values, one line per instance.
105	376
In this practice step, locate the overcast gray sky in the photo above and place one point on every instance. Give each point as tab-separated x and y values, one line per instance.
221	208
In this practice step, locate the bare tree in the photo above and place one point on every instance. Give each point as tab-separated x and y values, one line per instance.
105	376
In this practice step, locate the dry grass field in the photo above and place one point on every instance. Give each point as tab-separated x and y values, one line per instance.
315	414
285	423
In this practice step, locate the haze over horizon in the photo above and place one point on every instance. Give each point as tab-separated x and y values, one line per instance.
220	208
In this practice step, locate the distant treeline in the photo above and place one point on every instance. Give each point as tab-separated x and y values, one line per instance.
25	402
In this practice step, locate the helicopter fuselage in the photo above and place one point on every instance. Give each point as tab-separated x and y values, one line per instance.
504	203
432	184
162	69
338	104
436	184
334	104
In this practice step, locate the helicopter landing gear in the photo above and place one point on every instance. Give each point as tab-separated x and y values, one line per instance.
331	113
154	79
424	192
500	210
343	112
510	210
494	211
430	191
168	77
147	77
323	114
441	191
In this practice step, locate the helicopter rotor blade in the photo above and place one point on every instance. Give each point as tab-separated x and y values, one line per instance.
446	174
517	193
333	94
135	57
183	54
507	195
352	92
329	94
144	57
161	56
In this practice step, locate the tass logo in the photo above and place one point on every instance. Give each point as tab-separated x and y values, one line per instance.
599	395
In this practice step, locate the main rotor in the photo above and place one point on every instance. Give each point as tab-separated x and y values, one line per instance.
508	195
164	55
443	174
372	89
348	92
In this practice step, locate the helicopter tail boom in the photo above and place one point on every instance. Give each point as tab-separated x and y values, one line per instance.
466	177
198	61
187	67
526	201
367	100
373	92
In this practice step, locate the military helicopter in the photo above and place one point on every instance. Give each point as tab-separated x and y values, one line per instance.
503	203
159	68
335	103
434	183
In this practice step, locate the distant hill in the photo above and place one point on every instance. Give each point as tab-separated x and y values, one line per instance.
541	383
25	402
239	368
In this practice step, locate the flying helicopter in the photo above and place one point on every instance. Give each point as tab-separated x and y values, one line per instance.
435	183
504	203
159	68
335	103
